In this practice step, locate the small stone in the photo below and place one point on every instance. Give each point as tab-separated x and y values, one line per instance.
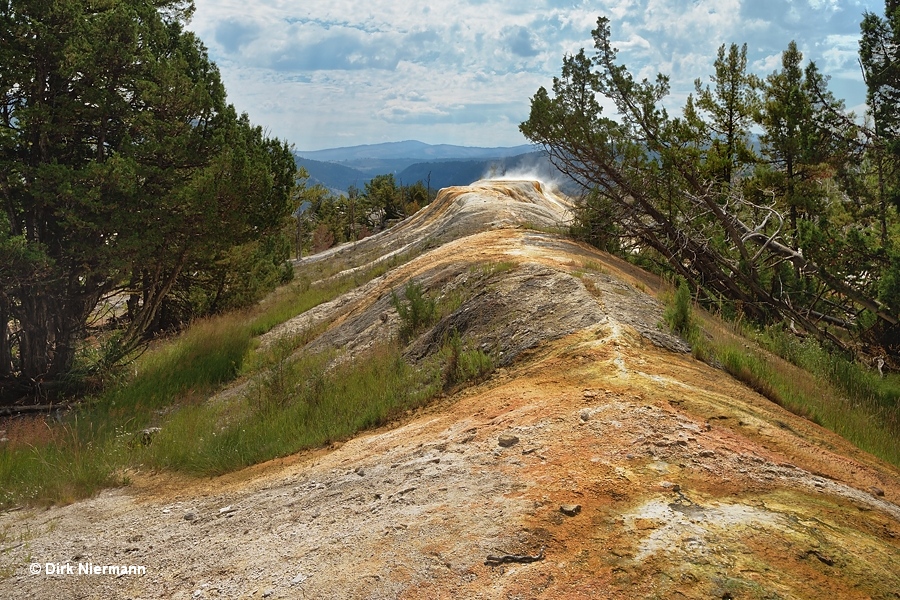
570	509
707	453
190	516
824	558
507	440
585	415
300	578
146	436
359	471
876	491
268	593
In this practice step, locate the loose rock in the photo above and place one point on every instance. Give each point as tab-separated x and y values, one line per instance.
570	509
507	440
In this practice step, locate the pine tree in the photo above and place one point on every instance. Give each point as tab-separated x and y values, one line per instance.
122	170
787	141
659	180
879	53
731	103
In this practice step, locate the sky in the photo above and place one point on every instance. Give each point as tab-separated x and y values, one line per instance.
332	73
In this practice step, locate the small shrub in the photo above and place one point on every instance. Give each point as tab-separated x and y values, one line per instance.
416	312
592	287
678	313
461	365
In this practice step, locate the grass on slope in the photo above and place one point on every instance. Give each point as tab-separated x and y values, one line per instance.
299	404
60	458
801	376
289	403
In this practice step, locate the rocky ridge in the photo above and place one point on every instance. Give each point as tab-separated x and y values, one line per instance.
599	460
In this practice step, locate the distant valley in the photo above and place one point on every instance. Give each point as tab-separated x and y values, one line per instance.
439	166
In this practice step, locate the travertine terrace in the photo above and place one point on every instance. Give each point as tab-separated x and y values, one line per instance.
676	480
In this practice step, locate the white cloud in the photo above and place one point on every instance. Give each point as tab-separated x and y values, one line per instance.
839	56
767	64
463	71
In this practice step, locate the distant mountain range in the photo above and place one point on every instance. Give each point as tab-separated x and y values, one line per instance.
410	149
440	165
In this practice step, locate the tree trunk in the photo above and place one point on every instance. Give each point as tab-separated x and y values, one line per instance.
37	337
5	343
51	321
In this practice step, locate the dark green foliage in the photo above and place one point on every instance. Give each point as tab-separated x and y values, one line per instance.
879	53
597	222
461	364
382	200
731	104
123	171
333	219
416	310
678	313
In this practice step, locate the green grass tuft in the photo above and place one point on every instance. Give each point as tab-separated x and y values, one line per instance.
461	364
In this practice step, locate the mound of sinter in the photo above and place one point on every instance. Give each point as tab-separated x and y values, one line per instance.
510	286
599	461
